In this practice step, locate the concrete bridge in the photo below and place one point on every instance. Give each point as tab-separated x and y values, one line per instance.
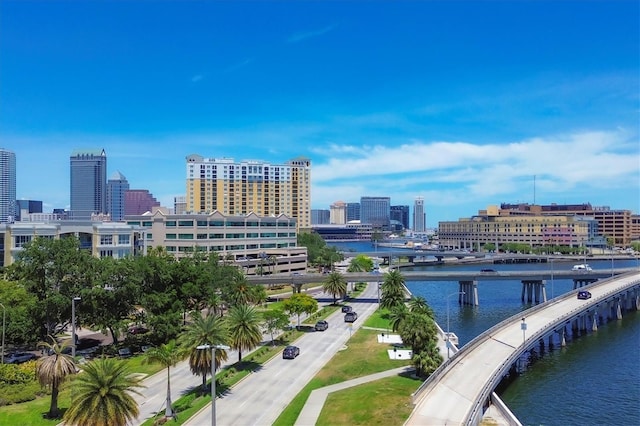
460	390
533	282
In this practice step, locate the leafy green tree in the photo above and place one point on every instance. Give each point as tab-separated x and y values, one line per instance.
427	360
274	320
418	331
210	329
103	395
335	285
20	326
299	304
393	290
360	263
238	291
54	271
168	355
244	328
53	370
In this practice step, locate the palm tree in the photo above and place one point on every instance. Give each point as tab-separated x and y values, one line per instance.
211	330
393	290
396	315
104	395
244	324
335	285
53	370
168	355
418	304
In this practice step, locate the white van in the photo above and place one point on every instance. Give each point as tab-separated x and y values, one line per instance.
582	267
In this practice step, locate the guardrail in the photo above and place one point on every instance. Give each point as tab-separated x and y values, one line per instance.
503	367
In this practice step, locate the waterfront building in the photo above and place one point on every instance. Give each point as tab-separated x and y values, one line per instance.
490	227
376	211
26	207
338	213
400	214
267	243
7	186
101	238
88	183
613	224
117	185
353	211
352	231
139	201
419	215
249	186
320	217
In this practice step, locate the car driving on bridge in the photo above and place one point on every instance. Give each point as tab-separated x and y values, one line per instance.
584	295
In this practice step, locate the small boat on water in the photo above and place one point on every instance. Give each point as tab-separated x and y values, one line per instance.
582	267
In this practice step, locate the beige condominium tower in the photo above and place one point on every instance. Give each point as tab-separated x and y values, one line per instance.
249	186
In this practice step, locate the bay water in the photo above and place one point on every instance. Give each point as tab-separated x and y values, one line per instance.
594	380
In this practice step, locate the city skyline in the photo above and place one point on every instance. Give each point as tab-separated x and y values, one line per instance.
466	104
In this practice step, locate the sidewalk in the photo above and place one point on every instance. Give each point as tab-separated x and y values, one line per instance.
312	408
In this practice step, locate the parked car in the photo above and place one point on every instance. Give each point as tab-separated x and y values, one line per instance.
346	309
125	353
584	295
19	357
350	316
322	325
138	329
290	352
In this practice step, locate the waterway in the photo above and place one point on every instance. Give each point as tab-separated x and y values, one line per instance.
594	380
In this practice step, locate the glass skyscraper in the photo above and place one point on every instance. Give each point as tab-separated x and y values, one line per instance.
117	185
419	216
7	186
88	183
375	211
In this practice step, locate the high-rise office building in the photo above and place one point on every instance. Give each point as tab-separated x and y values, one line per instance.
7	186
353	211
401	215
239	188
320	217
179	204
338	213
419	215
139	201
375	211
26	207
88	183
117	185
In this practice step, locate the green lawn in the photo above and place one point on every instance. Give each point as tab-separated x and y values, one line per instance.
382	402
363	356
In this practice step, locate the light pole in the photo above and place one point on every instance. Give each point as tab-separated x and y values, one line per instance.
552	278
448	334
73	325
523	326
4	314
213	376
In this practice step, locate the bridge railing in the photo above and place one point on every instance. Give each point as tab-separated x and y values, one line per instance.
474	415
478	340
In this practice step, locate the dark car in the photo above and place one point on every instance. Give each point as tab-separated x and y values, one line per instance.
138	329
584	295
346	309
19	357
322	325
487	270
350	316
290	352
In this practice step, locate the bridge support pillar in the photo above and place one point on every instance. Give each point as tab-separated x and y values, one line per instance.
618	310
594	325
470	296
297	288
534	289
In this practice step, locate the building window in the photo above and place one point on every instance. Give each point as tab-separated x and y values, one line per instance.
185	223
202	236
185	236
170	237
123	239
147	224
106	240
21	240
170	224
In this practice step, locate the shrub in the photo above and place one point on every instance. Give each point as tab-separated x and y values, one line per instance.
14	394
17	373
184	402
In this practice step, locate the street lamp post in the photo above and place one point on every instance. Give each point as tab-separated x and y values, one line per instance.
213	376
523	326
4	314
552	278
73	325
448	333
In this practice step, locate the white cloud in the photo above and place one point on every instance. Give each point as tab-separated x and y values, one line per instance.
297	37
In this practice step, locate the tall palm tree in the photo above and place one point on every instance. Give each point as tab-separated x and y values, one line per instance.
168	355
418	304
335	285
104	395
393	290
244	328
210	329
53	370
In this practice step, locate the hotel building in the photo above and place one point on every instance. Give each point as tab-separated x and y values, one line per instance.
240	188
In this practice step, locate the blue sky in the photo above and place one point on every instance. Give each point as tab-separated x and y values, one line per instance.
462	103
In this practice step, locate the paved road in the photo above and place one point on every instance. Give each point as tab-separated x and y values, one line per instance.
260	401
